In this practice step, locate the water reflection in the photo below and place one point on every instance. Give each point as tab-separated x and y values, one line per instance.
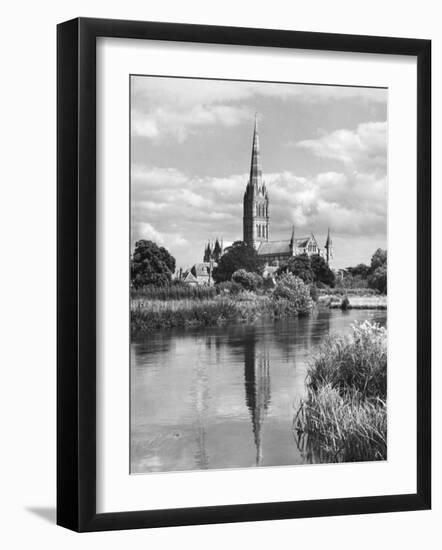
257	389
224	397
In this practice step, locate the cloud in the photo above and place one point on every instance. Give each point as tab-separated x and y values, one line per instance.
144	230
363	149
192	210
178	107
162	122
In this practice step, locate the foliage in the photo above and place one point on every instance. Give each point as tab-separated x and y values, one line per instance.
248	280
295	292
148	315
361	270
355	362
344	417
321	270
378	279
177	290
378	259
378	271
300	266
349	281
313	292
331	428
151	265
228	287
239	256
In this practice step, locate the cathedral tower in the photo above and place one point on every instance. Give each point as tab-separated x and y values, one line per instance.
256	200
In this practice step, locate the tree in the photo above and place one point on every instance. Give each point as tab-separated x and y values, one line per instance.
300	266
378	259
361	270
321	270
239	256
377	278
151	265
247	279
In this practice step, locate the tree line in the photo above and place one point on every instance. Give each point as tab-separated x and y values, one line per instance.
154	265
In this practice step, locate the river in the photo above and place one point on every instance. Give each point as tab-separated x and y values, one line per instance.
224	397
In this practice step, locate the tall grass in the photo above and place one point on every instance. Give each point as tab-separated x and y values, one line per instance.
177	291
344	417
148	315
186	306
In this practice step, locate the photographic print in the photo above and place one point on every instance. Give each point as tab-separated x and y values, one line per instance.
258	274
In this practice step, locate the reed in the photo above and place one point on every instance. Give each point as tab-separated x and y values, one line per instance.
344	416
176	291
152	314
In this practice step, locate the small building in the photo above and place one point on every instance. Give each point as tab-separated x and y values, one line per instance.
200	273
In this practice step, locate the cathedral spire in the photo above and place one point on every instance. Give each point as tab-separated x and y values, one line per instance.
256	200
255	166
329	246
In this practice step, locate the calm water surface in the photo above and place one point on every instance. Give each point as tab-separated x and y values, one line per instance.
224	397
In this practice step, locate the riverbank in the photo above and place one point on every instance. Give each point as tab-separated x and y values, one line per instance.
291	297
354	301
344	417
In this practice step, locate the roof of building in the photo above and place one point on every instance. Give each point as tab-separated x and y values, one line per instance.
201	269
274	247
267	248
189	278
302	242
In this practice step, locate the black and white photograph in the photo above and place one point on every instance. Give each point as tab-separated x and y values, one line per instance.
258	269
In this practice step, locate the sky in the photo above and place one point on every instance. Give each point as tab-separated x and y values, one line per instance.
323	156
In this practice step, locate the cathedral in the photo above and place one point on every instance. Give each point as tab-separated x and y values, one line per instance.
256	220
256	223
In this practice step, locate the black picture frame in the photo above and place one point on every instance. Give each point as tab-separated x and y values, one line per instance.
76	273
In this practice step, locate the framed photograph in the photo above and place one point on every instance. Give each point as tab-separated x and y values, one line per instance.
244	258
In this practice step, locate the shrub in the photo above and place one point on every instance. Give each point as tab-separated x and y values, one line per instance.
295	292
247	279
228	287
313	293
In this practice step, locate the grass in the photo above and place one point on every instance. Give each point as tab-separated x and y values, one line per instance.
179	291
186	306
344	416
151	314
